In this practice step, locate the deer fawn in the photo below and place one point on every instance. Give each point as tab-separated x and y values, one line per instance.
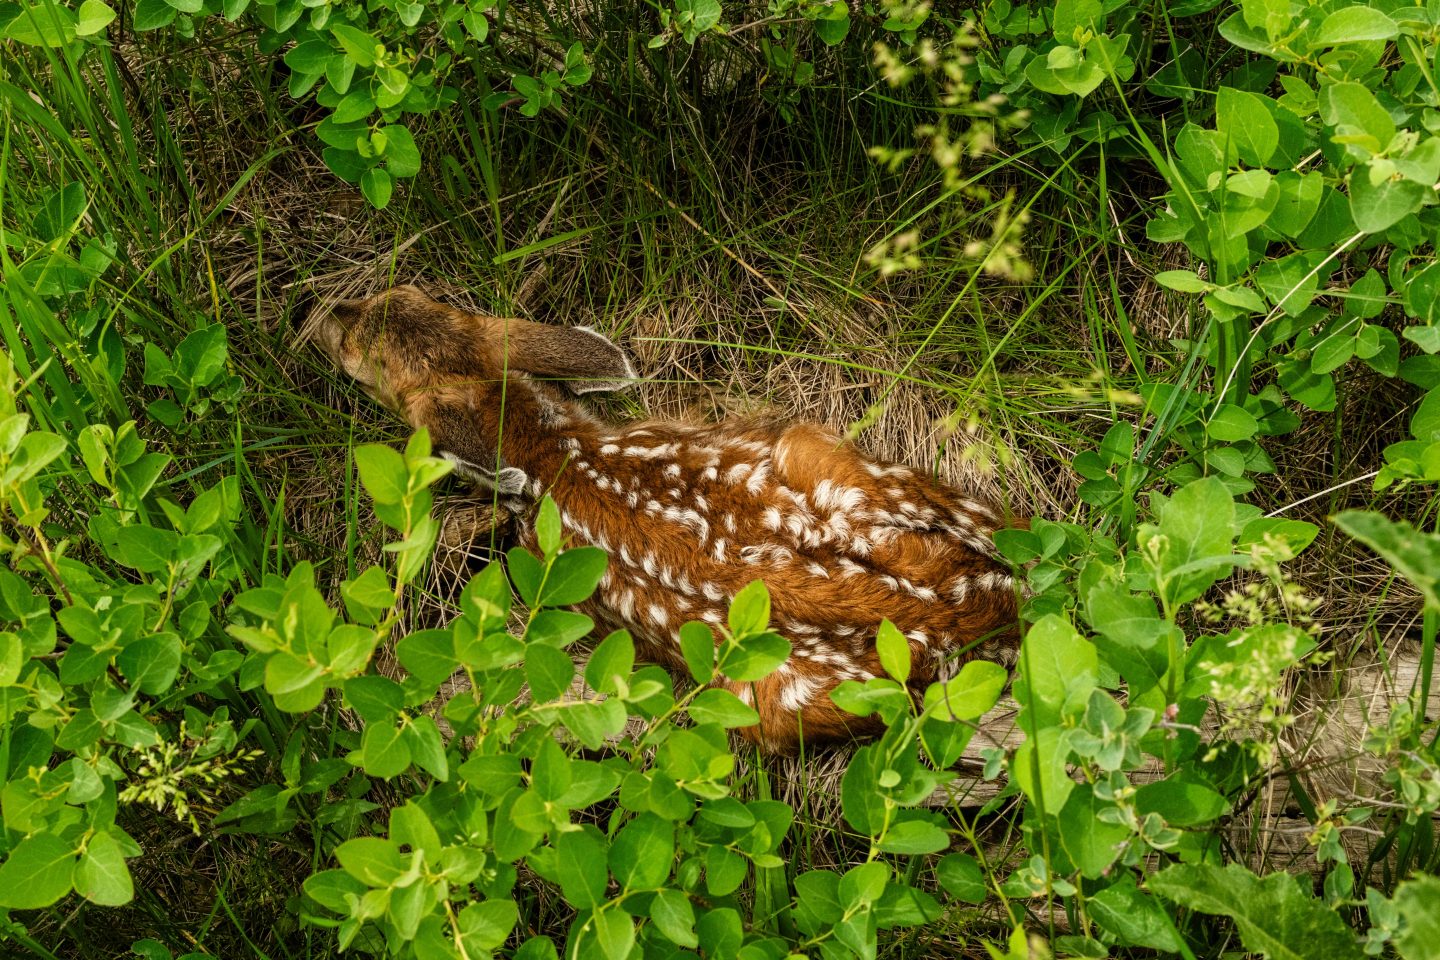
690	514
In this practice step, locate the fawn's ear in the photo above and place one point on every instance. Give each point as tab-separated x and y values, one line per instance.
457	434
584	360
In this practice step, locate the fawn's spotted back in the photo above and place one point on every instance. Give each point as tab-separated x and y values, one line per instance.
691	514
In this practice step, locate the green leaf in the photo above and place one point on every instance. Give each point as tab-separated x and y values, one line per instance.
287	673
558	628
1355	24
674	917
697	646
580	865
1182	803
612	663
750	610
833	30
329	888
547	527
377	185
1351	108
11	658
968	695
383	750
101	876
357	43
1232	423
411	826
41	25
371	589
377	699
615	932
371	860
1274	915
1416	900
914	837
1298	203
1291	282
863	884
92	17
1120	616
1380	201
1039	768
724	871
1092	843
486	926
755	657
893	650
592	723
309	56
961	876
1247	121
1184	281
38	872
146	549
383	473
549	671
1135	917
402	157
151	663
1191	546
1058	669
722	707
427	746
550	772
573	577
153	14
642	852
1414	555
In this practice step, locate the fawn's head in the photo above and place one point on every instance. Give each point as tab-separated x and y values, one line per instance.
446	369
402	340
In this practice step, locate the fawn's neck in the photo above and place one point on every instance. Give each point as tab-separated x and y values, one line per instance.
530	426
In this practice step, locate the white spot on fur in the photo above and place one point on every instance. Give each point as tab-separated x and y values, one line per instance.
658	615
832	496
772	553
758	477
997	581
799	693
652	453
738	472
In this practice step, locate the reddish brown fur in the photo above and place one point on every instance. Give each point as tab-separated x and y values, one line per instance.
691	514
